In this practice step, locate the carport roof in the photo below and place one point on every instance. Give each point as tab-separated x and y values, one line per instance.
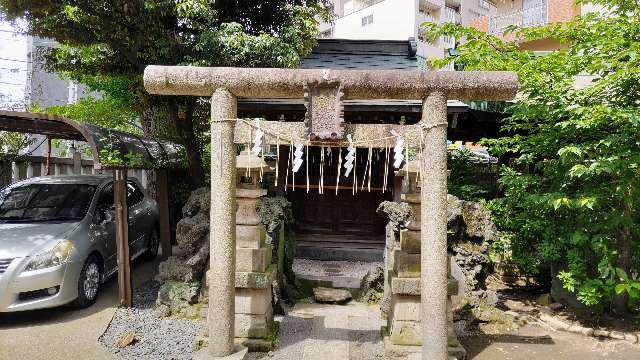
111	148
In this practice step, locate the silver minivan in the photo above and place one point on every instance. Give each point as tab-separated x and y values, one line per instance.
57	239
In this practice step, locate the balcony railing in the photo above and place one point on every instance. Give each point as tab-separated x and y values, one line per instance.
452	15
532	16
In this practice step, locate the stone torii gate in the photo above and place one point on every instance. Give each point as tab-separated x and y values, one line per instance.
324	90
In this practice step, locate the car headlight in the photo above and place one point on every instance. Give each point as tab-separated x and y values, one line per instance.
59	254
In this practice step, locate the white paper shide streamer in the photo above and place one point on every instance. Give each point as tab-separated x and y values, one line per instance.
398	150
351	155
257	143
297	157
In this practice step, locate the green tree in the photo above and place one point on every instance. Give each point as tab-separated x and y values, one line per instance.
101	40
571	193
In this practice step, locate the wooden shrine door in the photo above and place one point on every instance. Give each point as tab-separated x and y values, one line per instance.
345	218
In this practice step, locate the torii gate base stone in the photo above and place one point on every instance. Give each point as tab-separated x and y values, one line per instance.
329	87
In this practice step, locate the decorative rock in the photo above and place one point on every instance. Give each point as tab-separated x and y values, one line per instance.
618	335
199	201
329	295
554	322
544	299
398	214
191	232
601	333
126	339
372	285
587	331
632	338
176	268
555	306
477	220
177	297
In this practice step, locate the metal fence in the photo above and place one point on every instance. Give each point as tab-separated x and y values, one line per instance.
33	166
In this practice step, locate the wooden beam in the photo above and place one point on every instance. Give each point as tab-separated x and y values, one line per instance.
163	208
364	135
122	236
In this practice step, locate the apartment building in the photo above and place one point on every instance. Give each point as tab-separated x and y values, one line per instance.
528	13
25	82
23	79
401	20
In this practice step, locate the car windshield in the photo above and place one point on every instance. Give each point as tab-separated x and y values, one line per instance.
45	202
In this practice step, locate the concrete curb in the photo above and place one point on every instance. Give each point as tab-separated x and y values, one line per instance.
562	324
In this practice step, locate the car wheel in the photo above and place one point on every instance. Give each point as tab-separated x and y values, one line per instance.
89	282
153	243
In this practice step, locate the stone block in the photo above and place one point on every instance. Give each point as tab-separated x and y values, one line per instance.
246	193
250	236
246	213
411	198
253	326
410	241
405	308
407	265
411	286
406	332
256	280
253	301
253	260
414	203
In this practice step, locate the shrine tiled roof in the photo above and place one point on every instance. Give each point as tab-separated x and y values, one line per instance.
361	55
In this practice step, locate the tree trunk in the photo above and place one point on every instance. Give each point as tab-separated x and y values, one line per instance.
183	121
147	120
624	261
623	240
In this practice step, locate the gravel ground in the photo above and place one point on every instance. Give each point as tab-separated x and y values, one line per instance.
156	338
357	269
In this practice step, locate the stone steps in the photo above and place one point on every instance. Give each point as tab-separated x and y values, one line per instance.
336	330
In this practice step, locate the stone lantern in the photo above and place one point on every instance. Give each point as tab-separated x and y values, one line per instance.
254	273
249	167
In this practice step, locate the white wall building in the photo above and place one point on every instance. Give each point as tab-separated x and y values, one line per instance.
23	80
401	20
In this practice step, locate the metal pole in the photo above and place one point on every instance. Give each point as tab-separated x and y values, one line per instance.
48	167
221	274
433	259
163	207
122	236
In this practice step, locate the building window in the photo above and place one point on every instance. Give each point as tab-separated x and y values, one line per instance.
367	20
484	4
326	34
